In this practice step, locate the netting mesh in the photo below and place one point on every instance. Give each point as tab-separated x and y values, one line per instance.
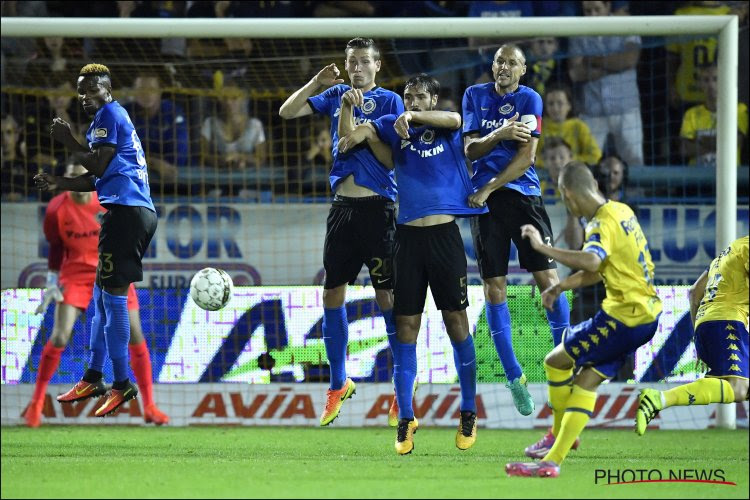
237	187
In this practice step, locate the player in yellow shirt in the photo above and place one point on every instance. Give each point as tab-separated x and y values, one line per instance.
615	251
698	130
719	309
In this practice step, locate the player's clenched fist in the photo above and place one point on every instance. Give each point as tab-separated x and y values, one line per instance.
353	97
513	130
402	124
45	182
532	234
329	76
60	130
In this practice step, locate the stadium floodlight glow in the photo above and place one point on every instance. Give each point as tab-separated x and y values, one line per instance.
725	27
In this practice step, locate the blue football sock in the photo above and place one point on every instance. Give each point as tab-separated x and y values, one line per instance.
97	344
335	338
559	318
465	358
117	333
404	375
498	319
390	329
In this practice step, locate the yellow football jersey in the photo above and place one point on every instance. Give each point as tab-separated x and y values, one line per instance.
695	54
726	296
615	235
698	122
577	135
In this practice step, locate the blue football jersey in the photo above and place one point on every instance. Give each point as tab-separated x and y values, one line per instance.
485	110
430	170
368	171
125	182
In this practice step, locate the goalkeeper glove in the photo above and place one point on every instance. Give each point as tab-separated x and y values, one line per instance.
51	292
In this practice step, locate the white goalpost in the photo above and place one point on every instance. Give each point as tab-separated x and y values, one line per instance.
725	27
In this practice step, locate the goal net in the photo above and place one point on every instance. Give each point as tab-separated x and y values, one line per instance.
237	187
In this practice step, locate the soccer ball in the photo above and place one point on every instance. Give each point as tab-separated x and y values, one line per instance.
211	288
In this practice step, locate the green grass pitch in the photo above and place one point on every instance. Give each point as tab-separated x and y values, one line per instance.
217	462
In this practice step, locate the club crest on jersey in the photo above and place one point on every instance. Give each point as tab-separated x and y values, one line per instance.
506	108
100	132
337	112
368	106
427	136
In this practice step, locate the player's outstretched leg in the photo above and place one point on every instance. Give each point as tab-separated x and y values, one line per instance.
404	375
335	399
393	410
558	391
532	469
140	362
116	398
649	406
539	449
405	431
48	364
92	384
498	320
335	338
701	392
465	359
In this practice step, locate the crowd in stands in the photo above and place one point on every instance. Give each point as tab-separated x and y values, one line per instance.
212	104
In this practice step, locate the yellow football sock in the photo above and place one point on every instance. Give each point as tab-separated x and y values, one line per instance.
700	392
558	390
579	408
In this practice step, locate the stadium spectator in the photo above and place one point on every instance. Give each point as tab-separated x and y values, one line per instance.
556	153
687	59
59	102
17	51
232	138
317	161
543	65
161	126
606	66
52	60
486	46
611	175
14	175
698	131
558	122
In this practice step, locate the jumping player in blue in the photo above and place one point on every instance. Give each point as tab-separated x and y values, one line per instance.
507	184
117	171
425	147
361	224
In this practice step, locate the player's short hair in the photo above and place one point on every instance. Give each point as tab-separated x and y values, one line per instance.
425	82
511	46
576	176
98	70
363	43
555	142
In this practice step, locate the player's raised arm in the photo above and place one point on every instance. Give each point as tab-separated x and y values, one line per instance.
512	130
349	100
47	182
296	105
575	259
366	133
439	119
